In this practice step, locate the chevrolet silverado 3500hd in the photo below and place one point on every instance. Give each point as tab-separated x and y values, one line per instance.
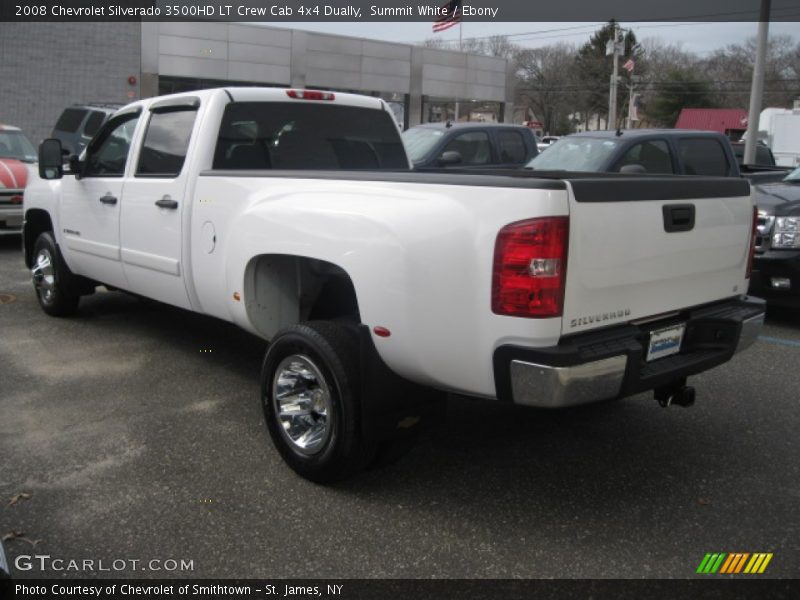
294	214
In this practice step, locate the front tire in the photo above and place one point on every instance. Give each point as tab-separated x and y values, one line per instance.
310	391
52	279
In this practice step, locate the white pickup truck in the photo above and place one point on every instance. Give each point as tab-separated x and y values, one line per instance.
293	214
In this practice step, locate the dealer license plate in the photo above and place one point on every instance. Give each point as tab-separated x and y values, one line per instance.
666	341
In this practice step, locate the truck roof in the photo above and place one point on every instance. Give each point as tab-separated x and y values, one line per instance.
462	125
634	133
265	94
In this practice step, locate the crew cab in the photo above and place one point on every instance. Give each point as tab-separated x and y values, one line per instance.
469	145
295	215
662	151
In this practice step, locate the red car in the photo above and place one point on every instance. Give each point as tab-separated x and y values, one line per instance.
16	154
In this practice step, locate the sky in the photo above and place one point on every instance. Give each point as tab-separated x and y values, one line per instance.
701	38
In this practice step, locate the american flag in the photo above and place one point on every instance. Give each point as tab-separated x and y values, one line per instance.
629	65
453	16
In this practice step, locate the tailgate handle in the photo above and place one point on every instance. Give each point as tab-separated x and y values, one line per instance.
678	217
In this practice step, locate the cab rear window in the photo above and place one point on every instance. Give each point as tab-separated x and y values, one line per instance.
296	135
702	156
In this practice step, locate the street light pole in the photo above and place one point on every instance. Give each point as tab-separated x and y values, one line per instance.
612	96
757	87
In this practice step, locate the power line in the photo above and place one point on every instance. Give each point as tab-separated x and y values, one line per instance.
656	23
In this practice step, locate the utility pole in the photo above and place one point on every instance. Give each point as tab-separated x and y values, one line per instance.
757	87
612	95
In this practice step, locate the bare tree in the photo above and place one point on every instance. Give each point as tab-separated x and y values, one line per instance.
731	69
546	84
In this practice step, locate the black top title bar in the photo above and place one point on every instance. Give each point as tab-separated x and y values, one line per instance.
393	10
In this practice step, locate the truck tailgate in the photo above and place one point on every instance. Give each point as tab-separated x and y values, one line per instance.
641	247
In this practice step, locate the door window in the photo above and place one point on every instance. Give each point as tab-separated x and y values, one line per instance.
653	155
166	143
473	147
107	154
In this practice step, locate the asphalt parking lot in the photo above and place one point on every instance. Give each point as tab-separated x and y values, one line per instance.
137	433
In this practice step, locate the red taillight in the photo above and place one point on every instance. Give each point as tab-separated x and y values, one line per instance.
16	200
753	234
310	95
530	268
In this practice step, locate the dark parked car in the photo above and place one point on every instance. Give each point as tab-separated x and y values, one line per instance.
469	145
658	151
77	125
776	265
662	151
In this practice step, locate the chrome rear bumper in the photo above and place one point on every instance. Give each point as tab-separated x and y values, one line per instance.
553	387
611	363
751	329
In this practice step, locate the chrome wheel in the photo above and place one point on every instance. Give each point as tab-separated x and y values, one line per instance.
302	402
44	276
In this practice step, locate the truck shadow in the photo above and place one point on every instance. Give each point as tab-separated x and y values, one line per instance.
228	346
620	453
782	316
539	470
10	244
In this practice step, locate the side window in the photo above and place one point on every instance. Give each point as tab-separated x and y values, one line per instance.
703	157
511	147
165	143
473	147
70	120
654	156
107	154
93	123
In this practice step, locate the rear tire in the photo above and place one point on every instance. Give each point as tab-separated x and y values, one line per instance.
54	283
310	390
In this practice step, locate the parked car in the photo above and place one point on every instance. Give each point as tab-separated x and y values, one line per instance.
658	151
544	143
295	215
776	265
16	152
469	145
78	124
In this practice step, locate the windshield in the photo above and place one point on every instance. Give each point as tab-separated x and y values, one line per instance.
575	154
793	176
13	144
419	141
